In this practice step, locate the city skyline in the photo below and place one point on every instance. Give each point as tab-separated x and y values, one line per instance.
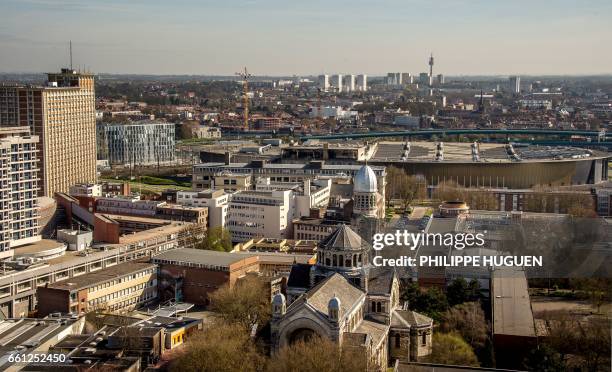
272	38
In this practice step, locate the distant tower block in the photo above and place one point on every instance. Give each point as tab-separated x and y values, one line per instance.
349	83
362	82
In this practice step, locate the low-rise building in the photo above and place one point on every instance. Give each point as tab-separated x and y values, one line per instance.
119	288
307	228
215	200
190	275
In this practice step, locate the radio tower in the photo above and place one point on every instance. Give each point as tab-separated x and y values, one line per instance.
431	63
245	103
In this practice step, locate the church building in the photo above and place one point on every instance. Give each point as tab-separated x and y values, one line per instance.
347	300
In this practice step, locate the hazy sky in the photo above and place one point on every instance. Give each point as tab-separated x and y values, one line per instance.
286	37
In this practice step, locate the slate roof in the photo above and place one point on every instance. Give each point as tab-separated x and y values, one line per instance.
380	281
375	330
343	238
409	318
334	286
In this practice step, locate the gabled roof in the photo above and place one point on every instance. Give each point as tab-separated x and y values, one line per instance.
409	318
344	238
380	281
334	286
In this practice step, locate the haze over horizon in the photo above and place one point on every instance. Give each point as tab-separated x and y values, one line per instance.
271	37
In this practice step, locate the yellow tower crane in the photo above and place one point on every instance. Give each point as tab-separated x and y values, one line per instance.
245	82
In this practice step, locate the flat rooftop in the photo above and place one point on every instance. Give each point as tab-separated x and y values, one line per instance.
461	152
186	256
512	313
104	275
37	247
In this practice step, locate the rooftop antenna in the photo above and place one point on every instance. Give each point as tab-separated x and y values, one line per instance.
71	54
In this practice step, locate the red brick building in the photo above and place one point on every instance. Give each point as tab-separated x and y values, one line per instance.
190	275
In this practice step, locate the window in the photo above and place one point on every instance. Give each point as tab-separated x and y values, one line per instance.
423	339
397	340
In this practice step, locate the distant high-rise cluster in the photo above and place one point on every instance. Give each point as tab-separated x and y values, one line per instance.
343	83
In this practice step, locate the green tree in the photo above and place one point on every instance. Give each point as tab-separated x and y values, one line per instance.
460	291
450	348
216	239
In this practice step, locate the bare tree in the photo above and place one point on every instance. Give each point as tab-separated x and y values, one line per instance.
247	302
319	354
220	347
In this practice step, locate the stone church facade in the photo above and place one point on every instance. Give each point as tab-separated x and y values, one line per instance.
345	299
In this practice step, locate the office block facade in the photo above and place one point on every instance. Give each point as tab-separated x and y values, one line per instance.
62	114
138	143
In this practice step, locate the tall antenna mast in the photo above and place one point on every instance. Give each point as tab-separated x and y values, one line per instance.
71	54
245	81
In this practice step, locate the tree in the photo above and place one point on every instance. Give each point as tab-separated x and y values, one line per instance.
468	320
460	291
220	347
318	354
247	302
216	239
586	340
450	348
404	187
433	302
545	359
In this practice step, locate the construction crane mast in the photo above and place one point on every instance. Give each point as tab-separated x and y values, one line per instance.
245	83
319	109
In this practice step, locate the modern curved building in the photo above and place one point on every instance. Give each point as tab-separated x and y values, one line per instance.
495	165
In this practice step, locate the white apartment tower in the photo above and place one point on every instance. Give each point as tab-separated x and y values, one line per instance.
362	82
349	82
337	82
514	83
18	189
324	82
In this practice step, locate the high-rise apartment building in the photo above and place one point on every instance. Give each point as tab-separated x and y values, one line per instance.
324	82
337	82
425	79
514	84
142	143
18	189
407	78
349	83
62	114
362	83
394	78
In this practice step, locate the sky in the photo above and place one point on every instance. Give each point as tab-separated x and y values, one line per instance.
308	37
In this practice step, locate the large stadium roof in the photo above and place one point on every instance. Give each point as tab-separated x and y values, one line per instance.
462	152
